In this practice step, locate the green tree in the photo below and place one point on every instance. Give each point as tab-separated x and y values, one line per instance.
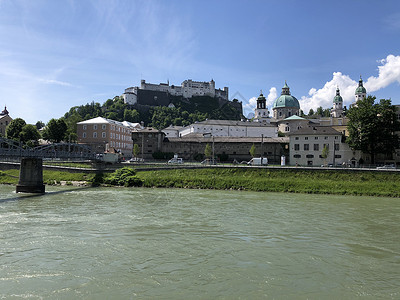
39	125
311	112
208	151
30	135
14	129
372	127
253	151
325	153
55	131
136	150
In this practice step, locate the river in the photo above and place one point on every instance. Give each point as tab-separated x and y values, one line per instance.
120	243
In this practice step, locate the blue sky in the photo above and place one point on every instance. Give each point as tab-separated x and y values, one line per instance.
55	54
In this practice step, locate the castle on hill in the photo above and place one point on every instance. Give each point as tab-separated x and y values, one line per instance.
150	94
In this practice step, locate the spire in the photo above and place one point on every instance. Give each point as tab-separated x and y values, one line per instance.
285	89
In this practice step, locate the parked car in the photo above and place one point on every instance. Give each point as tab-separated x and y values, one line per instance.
209	161
386	167
258	161
176	160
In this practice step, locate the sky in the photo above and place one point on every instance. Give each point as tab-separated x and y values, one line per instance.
58	54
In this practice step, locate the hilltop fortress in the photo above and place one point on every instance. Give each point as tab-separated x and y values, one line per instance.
153	94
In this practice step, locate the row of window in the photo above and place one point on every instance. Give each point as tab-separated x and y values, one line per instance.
312	156
315	138
104	126
316	147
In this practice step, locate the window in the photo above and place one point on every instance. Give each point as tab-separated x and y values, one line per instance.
296	138
316	138
103	134
336	147
84	135
95	127
306	147
84	127
297	156
316	147
338	156
310	156
327	146
326	137
103	126
95	134
296	147
336	137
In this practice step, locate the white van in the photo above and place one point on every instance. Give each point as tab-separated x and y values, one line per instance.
258	161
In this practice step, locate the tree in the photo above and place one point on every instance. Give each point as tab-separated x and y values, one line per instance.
30	135
372	127
253	151
311	112
14	129
208	151
39	125
136	150
325	153
55	130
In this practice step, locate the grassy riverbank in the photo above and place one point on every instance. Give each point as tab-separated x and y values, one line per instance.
250	179
277	180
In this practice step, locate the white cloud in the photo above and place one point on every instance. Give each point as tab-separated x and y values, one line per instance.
389	72
324	96
271	96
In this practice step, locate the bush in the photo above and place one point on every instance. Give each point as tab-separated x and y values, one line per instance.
123	177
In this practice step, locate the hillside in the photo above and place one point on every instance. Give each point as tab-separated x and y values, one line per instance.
185	112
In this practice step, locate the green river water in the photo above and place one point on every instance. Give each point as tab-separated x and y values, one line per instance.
120	243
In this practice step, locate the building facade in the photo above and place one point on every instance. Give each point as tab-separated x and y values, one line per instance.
286	105
5	120
104	134
191	147
306	148
228	128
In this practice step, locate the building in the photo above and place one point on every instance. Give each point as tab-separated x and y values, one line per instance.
103	135
293	123
191	147
187	89
5	119
337	109
286	105
306	146
229	128
261	113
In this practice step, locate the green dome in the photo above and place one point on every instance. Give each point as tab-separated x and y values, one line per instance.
360	89
286	100
337	98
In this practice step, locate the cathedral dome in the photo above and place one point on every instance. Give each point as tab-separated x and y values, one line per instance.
360	89
286	100
337	98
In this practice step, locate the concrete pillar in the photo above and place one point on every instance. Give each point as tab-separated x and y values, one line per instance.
31	176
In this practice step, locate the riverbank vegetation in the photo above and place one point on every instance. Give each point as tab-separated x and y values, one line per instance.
278	180
250	179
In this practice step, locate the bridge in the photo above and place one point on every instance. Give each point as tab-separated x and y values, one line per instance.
14	150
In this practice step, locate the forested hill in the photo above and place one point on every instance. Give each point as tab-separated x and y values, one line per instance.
185	112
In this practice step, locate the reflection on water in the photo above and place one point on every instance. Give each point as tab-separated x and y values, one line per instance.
167	243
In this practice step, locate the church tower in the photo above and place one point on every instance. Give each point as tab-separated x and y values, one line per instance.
337	110
261	112
361	92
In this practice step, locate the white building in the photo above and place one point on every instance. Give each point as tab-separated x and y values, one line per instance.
187	89
306	146
228	128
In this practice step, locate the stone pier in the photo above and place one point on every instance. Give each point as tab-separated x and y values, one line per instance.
31	176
